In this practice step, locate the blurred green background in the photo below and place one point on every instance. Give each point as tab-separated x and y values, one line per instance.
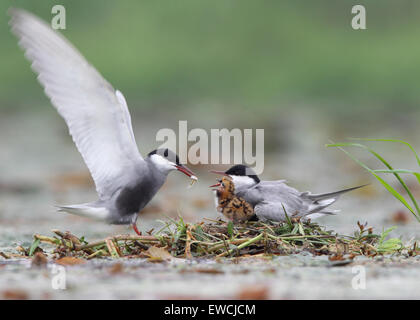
245	54
294	68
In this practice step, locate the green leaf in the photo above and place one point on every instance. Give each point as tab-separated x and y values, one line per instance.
34	245
384	183
301	231
230	229
181	230
416	174
391	140
390	245
385	234
181	224
83	240
394	193
289	222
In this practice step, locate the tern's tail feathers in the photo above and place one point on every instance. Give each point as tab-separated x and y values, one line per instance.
321	214
318	202
86	210
330	195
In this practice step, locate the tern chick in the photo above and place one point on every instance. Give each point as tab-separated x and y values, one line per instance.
231	206
270	199
99	122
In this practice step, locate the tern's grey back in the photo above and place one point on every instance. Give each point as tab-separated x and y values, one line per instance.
271	199
275	192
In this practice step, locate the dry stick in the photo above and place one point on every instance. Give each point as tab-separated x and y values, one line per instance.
14	255
221	244
188	243
46	239
226	246
4	255
212	220
97	253
202	248
146	239
199	243
371	247
109	242
243	245
68	236
112	248
300	237
68	243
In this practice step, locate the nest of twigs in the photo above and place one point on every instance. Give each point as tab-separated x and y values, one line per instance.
216	239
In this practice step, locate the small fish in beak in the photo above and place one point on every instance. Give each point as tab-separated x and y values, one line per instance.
187	172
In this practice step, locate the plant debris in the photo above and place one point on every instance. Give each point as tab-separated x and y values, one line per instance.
70	261
253	293
14	294
39	260
214	239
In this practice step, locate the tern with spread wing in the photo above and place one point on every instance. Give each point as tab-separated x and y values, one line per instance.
99	122
270	199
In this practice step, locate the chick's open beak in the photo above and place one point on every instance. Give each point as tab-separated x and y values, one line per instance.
217	172
218	184
215	185
186	171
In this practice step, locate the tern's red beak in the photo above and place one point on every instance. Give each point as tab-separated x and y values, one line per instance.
215	185
186	171
219	172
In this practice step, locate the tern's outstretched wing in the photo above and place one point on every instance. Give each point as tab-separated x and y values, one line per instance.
96	114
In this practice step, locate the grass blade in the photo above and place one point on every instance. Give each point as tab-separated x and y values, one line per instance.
395	193
383	182
391	140
34	245
289	222
416	174
230	229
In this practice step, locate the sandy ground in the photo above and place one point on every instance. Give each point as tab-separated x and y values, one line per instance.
40	167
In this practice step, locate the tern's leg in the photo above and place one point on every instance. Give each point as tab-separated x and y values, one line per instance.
134	224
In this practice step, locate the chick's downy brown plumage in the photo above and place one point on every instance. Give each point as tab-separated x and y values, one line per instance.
232	207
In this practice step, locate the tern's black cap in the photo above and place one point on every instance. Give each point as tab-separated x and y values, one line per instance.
166	153
242	170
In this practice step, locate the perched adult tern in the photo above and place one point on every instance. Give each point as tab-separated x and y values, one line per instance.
99	122
269	197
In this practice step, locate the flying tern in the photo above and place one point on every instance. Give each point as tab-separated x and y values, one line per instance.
99	122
